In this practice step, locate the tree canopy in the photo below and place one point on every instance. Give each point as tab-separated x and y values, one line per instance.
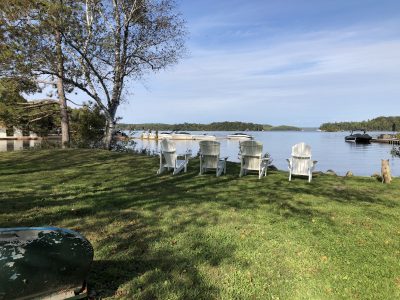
97	46
215	126
376	124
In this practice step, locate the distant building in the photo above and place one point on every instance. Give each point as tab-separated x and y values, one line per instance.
16	133
3	130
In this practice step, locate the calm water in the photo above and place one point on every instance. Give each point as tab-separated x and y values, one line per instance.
330	149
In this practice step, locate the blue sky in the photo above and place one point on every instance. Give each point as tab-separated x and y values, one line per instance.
292	62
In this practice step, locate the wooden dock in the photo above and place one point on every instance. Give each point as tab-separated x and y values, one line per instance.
386	141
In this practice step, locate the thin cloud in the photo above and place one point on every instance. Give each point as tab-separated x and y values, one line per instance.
280	83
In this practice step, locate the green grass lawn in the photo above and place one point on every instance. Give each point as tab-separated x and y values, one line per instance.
202	237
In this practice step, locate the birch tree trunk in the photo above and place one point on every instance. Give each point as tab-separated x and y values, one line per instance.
110	127
65	134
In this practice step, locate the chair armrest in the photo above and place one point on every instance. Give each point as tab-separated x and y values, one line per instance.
223	158
289	162
186	154
312	165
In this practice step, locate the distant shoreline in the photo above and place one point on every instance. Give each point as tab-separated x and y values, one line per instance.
216	126
388	124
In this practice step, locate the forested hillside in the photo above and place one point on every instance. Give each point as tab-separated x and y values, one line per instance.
215	126
377	124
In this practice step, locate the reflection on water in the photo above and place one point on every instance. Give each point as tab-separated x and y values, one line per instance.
329	149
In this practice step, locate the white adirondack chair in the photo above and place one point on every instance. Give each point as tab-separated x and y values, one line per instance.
170	160
251	158
300	163
210	157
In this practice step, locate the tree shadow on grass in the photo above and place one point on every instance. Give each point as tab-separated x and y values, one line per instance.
142	270
139	255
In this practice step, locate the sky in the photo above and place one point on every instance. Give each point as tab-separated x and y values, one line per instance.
294	62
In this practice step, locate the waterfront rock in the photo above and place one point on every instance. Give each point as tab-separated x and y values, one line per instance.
331	172
377	176
349	174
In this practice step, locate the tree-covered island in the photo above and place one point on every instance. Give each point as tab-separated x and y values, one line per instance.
376	124
215	126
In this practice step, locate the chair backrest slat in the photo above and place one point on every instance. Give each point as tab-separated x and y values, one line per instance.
209	147
168	150
301	150
251	148
251	154
210	152
301	158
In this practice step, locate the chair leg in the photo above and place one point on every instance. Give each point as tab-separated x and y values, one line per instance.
178	169
220	168
201	167
290	175
160	170
262	172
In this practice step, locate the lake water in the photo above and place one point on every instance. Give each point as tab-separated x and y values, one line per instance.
328	148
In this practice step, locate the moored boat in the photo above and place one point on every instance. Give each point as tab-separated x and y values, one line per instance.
239	135
164	135
181	135
360	138
144	135
148	135
152	136
204	137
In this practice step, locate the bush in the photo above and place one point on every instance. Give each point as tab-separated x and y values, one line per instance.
87	127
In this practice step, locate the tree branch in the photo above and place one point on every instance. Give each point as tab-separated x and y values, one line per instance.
93	69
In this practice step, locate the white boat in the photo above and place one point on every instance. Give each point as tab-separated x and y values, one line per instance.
204	137
164	135
238	135
144	135
152	136
181	135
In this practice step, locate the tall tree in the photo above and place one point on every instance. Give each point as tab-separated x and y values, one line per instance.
104	44
114	41
31	41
